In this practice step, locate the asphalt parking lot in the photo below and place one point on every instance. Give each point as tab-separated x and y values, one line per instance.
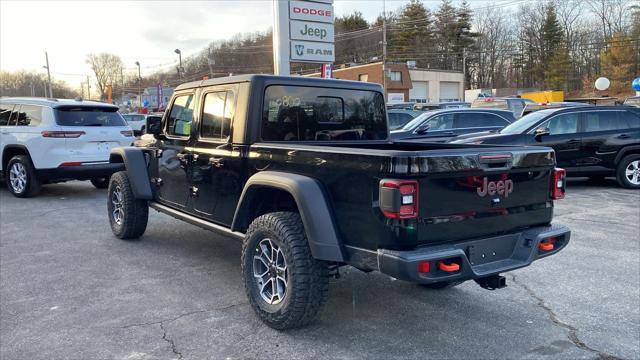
70	290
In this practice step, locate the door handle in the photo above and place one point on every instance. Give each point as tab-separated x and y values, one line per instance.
623	136
573	142
216	162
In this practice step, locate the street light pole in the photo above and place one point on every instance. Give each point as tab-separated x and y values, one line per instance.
139	86
384	50
177	51
46	56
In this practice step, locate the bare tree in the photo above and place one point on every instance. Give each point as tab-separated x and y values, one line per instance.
107	69
613	15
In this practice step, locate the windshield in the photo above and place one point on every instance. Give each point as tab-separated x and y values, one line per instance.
525	122
133	117
88	116
417	121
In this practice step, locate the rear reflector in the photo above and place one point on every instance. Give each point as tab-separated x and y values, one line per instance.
399	198
62	134
424	267
127	133
558	183
71	163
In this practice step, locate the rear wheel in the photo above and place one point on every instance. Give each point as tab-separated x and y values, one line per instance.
628	172
128	216
286	286
100	183
21	177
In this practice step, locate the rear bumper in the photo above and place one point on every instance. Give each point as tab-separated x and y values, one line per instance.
477	258
81	172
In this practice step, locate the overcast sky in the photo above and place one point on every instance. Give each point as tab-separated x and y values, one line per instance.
145	31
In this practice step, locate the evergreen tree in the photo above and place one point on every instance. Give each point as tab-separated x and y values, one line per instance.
353	47
554	61
617	63
552	33
446	33
557	69
412	34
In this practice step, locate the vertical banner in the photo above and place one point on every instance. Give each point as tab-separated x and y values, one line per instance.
327	71
158	94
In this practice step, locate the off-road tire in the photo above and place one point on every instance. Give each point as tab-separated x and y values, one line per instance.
442	285
135	213
621	171
308	278
100	183
32	185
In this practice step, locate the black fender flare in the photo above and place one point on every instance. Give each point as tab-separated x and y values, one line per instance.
312	205
624	151
136	165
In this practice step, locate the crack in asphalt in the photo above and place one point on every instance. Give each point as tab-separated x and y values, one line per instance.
572	330
170	341
161	323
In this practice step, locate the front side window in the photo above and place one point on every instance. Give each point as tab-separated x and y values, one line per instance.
5	114
604	121
298	113
217	115
181	116
88	116
562	124
29	115
441	122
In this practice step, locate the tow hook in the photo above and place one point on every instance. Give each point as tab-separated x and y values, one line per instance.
492	282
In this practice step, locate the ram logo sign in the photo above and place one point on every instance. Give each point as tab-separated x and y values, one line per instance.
304	51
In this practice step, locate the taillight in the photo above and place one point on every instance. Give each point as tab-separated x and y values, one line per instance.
127	133
62	134
399	198
558	183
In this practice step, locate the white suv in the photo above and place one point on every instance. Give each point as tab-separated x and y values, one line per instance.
52	140
138	122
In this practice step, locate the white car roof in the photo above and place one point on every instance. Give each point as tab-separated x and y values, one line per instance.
53	103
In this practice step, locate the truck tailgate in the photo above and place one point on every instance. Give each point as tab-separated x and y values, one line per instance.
493	192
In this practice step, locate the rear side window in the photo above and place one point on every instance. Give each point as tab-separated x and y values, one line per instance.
29	115
88	116
604	121
633	120
5	114
181	116
298	113
492	120
217	115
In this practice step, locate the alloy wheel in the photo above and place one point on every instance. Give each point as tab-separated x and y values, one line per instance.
116	200
18	178
632	172
270	272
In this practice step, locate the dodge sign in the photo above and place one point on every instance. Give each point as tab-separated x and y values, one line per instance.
309	11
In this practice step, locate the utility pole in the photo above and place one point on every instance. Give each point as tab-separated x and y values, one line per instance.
88	88
139	86
81	90
210	61
46	56
384	49
122	84
177	51
464	71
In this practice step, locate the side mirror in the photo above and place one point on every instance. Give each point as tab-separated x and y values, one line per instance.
423	129
541	131
153	125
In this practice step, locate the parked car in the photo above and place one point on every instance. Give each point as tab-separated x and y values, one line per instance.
399	118
49	140
445	125
529	108
136	121
312	183
400	106
515	105
632	101
441	105
589	141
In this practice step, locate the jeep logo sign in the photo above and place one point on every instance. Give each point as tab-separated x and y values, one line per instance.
309	31
501	187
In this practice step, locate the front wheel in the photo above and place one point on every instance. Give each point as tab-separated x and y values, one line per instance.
128	216
628	172
100	183
286	286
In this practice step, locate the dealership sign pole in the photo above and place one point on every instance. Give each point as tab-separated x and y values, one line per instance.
303	32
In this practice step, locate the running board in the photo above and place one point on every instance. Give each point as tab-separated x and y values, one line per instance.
207	225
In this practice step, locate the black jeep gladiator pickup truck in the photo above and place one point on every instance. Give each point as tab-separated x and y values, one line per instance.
301	170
